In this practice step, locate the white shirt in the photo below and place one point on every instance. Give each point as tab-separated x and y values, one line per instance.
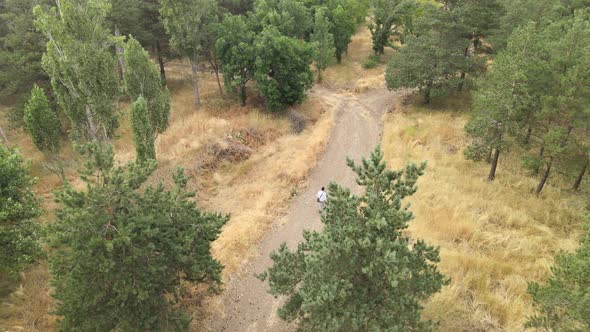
322	196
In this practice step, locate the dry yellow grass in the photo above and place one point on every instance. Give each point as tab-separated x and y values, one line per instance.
254	191
494	237
350	74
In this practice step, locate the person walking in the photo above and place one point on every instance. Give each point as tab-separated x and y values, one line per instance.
321	198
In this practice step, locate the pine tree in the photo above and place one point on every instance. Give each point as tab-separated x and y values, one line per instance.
360	273
21	49
563	302
142	80
80	63
18	209
121	248
42	123
143	133
565	110
432	59
323	42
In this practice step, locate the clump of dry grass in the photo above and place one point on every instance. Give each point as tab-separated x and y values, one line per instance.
494	237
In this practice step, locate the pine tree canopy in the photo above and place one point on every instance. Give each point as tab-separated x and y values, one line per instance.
361	272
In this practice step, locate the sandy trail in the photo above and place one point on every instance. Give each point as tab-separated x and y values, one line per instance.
247	305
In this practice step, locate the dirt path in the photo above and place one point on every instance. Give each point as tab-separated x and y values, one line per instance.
247	306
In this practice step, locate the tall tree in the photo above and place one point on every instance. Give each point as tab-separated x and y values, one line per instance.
42	123
80	63
21	49
323	42
565	110
282	68
142	80
290	17
342	29
431	60
237	53
18	209
392	18
502	103
360	272
188	22
120	249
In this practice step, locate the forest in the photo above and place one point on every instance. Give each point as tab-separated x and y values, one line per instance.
157	158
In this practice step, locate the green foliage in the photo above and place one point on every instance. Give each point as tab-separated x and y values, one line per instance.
371	62
120	249
80	63
282	68
189	24
323	42
142	79
563	302
343	27
290	17
431	60
143	133
360	272
21	49
18	208
186	22
236	51
392	18
42	123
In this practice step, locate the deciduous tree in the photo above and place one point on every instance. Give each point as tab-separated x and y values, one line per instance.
142	80
282	68
323	42
80	63
235	48
188	23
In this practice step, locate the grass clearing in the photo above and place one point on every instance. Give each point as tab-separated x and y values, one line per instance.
494	237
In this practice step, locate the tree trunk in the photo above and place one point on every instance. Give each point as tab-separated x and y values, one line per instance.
541	154
461	81
427	93
195	79
243	95
215	67
319	75
120	55
463	73
489	156
492	174
90	118
161	62
580	176
544	177
338	57
3	136
527	138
